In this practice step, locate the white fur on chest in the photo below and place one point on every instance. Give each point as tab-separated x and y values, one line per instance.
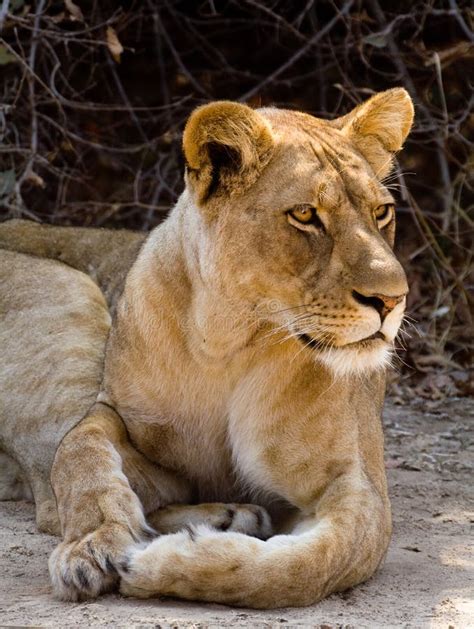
247	428
215	413
218	416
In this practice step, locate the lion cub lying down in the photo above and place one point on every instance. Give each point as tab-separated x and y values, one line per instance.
245	364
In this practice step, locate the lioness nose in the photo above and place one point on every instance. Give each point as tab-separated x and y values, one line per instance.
383	304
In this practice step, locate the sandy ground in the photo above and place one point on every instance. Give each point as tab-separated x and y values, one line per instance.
427	579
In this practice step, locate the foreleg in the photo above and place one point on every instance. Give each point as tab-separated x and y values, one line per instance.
96	476
336	545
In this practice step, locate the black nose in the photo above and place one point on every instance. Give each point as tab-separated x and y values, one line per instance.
383	304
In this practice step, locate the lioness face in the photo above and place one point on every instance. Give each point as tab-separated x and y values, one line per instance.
303	231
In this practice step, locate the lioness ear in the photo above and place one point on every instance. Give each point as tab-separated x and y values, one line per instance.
226	146
379	127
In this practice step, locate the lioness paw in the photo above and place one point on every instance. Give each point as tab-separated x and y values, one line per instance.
78	572
185	564
238	518
86	568
248	519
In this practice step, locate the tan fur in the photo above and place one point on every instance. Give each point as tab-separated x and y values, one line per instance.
379	127
241	137
53	327
210	393
105	255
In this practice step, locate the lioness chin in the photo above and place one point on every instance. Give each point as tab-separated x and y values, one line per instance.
245	364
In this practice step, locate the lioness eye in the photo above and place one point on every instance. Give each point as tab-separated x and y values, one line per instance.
303	213
304	216
384	214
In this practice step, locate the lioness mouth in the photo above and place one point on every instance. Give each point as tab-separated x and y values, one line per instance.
315	344
367	340
310	342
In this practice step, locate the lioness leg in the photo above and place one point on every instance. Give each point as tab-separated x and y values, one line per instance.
95	477
13	484
336	545
240	518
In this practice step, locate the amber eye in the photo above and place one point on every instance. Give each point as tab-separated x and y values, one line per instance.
305	217
303	213
384	214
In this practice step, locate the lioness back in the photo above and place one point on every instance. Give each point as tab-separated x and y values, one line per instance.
105	255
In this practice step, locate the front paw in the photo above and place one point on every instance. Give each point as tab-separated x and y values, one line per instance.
248	519
86	568
197	564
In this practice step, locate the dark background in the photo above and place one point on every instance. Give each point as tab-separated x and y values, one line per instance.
90	134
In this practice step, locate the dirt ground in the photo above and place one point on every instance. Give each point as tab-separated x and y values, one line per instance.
427	579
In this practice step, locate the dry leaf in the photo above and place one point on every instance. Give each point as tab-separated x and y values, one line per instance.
35	179
74	10
113	44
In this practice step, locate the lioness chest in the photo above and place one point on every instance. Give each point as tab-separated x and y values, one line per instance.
232	435
184	426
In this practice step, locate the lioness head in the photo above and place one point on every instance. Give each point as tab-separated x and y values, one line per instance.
295	222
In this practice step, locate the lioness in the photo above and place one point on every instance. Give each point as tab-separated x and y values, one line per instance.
245	364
